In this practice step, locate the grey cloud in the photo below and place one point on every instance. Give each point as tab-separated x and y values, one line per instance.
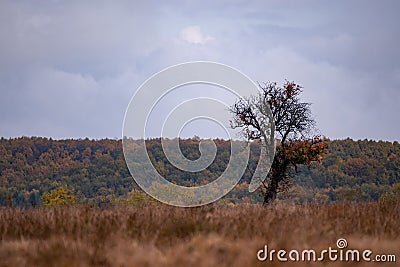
70	68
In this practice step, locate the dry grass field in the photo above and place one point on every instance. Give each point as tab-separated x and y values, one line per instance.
205	236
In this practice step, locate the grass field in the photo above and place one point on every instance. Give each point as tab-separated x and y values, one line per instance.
206	236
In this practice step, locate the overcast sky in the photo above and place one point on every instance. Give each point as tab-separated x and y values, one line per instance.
69	68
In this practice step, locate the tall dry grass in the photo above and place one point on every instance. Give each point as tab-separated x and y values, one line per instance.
204	236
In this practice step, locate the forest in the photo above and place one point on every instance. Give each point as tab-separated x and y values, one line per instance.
95	171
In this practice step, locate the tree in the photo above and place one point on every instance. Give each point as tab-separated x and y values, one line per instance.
277	115
59	196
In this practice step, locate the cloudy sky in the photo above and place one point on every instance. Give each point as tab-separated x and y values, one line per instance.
69	68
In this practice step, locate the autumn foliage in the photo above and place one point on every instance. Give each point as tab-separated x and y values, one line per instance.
278	113
59	196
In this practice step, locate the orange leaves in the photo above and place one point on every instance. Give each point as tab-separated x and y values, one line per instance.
303	151
291	89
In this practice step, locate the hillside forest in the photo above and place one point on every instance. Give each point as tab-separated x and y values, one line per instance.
95	172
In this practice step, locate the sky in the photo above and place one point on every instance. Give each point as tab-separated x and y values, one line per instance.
68	69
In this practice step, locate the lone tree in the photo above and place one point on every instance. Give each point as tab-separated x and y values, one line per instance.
292	132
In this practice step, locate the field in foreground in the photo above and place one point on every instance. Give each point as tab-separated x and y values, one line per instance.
204	236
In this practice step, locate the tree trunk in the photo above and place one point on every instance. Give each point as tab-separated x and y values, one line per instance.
271	193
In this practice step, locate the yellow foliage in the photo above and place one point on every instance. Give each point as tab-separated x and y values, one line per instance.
59	196
136	198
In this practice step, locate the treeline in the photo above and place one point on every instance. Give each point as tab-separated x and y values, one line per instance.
352	170
30	167
96	170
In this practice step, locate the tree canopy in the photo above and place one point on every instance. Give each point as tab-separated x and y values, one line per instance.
277	113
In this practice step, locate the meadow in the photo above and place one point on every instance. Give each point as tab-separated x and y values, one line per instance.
159	235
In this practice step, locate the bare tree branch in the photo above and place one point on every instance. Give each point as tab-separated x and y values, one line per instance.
281	108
